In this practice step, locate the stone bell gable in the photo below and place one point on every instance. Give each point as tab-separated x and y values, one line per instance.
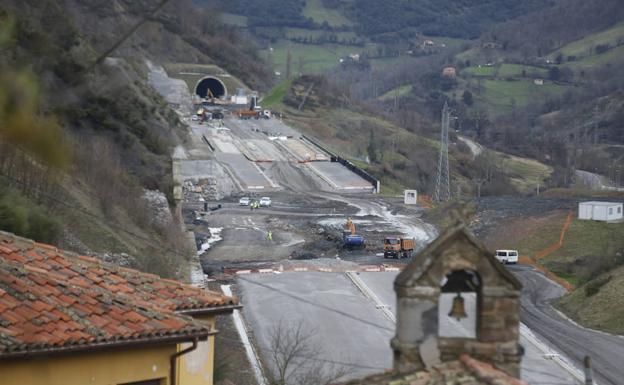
457	294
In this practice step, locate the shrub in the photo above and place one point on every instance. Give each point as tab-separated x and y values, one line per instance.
25	218
593	287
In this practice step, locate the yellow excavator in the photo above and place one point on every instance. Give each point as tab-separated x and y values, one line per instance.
350	238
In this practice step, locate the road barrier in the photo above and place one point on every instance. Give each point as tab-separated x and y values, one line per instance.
336	158
208	143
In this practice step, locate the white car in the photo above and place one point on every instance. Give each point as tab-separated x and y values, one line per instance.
194	118
244	201
507	256
265	201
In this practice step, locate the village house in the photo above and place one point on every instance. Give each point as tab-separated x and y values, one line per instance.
457	317
67	319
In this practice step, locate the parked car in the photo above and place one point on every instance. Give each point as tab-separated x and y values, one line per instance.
244	201
265	201
507	256
194	118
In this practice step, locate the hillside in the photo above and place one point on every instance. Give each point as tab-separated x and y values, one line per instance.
86	81
400	157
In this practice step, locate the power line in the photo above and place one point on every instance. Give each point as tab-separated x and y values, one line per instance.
126	35
301	299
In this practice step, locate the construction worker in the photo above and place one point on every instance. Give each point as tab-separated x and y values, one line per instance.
270	236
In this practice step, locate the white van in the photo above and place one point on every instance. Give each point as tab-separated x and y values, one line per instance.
507	256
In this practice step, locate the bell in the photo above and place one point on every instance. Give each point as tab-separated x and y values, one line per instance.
458	311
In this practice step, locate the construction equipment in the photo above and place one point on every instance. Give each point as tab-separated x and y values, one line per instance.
350	238
396	247
254	111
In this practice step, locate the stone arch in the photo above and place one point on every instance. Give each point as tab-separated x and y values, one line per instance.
212	83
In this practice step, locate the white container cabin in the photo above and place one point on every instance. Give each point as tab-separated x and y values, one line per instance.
601	211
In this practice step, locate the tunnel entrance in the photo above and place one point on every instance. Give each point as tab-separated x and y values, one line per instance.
216	87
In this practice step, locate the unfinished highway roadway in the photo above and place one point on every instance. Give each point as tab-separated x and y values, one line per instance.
576	342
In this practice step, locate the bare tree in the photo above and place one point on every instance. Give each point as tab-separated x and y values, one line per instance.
297	360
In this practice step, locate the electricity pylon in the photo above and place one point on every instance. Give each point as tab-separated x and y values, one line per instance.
443	183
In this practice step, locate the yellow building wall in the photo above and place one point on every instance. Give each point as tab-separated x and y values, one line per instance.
197	367
110	367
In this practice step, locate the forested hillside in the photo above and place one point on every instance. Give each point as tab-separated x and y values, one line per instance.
383	20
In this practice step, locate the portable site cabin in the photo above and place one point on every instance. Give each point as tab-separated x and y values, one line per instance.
601	211
410	197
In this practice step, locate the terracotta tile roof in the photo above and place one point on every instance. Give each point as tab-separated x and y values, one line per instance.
465	371
54	300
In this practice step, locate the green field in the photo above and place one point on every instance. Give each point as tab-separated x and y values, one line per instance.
515	70
315	10
585	46
612	56
506	70
314	59
480	71
232	19
396	92
500	96
292	33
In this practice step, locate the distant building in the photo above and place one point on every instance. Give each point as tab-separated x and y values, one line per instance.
538	82
428	43
67	319
354	56
410	197
601	211
449	72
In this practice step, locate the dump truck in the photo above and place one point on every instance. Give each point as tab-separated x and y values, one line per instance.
397	247
351	240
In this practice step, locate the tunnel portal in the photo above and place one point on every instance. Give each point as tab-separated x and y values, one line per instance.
216	87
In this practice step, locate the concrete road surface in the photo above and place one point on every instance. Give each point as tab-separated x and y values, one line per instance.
247	173
606	350
340	177
347	340
345	333
254	135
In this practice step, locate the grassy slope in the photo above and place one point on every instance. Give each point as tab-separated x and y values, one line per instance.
583	238
612	56
525	173
591	311
315	58
500	96
275	96
315	10
585	46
